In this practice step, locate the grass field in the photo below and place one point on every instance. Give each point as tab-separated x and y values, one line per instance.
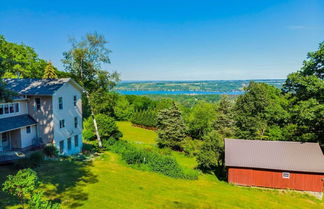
107	182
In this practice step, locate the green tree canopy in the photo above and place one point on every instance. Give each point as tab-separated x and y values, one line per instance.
171	128
50	71
258	109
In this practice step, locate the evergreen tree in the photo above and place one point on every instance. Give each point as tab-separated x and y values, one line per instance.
171	128
50	72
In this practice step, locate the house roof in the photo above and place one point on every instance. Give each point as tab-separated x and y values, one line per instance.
44	87
12	123
274	155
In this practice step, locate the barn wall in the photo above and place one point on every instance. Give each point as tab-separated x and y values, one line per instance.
273	179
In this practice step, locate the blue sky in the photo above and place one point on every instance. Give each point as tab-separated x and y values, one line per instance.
175	40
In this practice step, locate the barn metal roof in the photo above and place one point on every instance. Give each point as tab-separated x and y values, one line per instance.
28	86
15	122
274	155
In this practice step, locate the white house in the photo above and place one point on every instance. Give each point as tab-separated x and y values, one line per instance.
45	111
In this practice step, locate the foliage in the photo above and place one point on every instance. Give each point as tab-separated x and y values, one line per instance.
225	123
19	60
50	71
201	119
141	102
123	110
21	185
306	93
145	117
149	159
32	161
37	201
211	155
259	108
88	132
103	102
171	128
191	146
84	61
107	127
50	151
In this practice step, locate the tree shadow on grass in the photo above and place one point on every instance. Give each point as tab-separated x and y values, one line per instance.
63	182
68	177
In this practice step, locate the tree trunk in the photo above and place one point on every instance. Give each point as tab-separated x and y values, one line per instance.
94	122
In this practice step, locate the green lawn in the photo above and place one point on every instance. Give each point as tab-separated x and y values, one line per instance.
136	134
107	182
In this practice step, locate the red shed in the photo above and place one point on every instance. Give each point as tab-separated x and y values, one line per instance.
275	164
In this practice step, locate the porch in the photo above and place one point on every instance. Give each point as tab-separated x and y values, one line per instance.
18	135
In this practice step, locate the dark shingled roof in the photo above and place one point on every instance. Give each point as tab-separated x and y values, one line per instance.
28	86
274	155
11	123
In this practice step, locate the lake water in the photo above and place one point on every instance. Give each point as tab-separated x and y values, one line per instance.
178	92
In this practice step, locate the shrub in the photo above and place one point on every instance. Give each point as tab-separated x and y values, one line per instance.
50	151
37	201
21	185
150	159
107	127
34	160
211	155
191	147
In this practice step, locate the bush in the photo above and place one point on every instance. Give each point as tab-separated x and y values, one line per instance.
211	155
34	160
191	147
107	127
151	160
50	151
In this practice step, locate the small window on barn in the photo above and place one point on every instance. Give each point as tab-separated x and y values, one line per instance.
286	175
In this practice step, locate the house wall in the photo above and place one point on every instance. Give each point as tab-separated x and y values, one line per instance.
273	179
44	117
69	111
27	138
22	109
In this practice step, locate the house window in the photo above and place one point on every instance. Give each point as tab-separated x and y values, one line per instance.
6	108
74	100
1	110
69	143
76	140
28	129
61	146
38	104
62	123
11	108
17	107
286	175
61	103
75	122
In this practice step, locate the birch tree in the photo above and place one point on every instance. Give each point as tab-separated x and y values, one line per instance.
84	61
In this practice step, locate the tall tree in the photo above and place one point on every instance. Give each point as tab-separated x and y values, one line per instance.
224	123
201	119
171	128
19	60
84	61
258	109
306	90
50	71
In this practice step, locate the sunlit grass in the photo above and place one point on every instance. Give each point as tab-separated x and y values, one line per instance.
107	182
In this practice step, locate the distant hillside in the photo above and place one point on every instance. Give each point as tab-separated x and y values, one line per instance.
205	86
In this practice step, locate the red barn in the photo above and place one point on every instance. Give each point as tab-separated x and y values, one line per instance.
275	164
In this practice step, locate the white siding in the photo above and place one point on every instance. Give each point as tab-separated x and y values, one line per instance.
68	113
22	109
27	138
